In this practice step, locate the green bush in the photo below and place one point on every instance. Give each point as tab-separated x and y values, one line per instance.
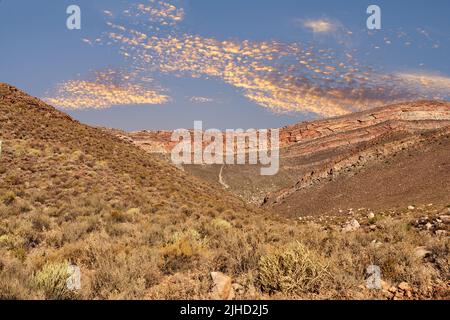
52	280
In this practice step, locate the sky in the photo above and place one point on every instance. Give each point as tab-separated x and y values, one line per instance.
232	64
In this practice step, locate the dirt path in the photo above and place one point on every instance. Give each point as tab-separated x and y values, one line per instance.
221	181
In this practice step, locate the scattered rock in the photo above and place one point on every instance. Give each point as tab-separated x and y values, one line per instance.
352	225
441	233
373	227
376	244
422	252
405	286
392	289
385	286
222	289
411	207
431	224
445	218
371	215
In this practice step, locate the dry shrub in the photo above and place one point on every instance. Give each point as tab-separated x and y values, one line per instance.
122	275
441	254
14	279
221	223
181	286
133	212
118	216
294	270
239	254
182	250
8	198
41	222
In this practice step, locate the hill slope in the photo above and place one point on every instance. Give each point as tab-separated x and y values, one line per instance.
393	171
69	192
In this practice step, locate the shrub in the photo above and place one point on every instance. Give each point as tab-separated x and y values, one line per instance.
295	270
221	223
121	217
4	240
52	280
34	152
181	249
133	212
41	222
8	198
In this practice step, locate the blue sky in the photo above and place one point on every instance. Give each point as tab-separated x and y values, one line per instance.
238	90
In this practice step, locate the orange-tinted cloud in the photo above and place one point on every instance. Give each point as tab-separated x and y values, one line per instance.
106	89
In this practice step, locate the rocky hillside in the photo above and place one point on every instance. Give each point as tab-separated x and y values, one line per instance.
324	134
313	153
394	170
366	125
139	228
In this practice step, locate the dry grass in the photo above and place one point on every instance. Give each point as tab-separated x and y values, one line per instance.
294	270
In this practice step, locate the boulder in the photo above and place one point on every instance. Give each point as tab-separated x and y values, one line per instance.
223	289
350	226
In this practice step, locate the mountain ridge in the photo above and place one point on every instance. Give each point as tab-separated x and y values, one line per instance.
311	150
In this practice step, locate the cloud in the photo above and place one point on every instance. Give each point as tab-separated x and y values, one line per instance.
326	28
438	83
321	25
104	90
